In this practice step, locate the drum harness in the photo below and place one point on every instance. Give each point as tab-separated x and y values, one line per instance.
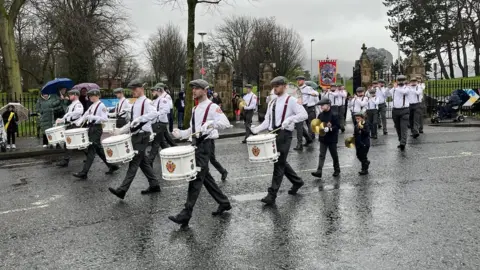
195	141
272	116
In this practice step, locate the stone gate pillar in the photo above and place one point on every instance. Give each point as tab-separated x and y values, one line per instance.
267	72
223	86
366	68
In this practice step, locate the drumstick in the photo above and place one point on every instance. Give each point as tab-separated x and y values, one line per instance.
275	130
193	134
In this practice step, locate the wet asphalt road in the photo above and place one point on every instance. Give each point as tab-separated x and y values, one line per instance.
416	210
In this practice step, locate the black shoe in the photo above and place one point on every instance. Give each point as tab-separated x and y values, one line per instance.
80	175
63	163
58	146
308	143
402	147
343	130
268	200
151	190
181	219
317	174
295	188
224	175
415	135
336	173
385	133
379	126
374	137
363	172
112	169
298	148
244	141
221	209
421	131
119	193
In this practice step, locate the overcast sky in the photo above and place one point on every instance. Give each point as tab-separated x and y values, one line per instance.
339	27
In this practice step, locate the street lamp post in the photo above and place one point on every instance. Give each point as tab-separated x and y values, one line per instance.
311	56
202	34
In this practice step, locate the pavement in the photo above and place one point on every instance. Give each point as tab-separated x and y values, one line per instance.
417	209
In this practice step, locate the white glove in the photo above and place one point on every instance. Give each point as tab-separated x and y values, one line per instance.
286	124
207	128
254	130
213	134
112	115
60	121
91	118
135	122
326	129
123	130
176	133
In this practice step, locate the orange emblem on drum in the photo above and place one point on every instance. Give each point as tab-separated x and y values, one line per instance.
69	140
109	152
50	137
171	166
255	151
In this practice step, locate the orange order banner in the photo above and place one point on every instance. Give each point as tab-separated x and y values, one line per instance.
328	72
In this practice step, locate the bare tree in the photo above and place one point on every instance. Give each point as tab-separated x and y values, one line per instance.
166	52
8	17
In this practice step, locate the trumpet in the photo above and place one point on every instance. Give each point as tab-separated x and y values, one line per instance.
350	142
241	104
317	127
361	124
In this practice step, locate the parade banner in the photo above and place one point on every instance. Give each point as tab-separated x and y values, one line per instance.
327	70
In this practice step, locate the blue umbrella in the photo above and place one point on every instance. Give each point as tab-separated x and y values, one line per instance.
53	86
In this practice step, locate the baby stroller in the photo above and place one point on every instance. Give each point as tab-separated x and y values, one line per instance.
449	111
3	137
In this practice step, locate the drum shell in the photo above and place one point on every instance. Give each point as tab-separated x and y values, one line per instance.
120	151
110	125
77	138
262	149
178	166
55	135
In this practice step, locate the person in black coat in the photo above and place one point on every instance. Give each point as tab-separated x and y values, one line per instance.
180	105
362	141
330	140
12	125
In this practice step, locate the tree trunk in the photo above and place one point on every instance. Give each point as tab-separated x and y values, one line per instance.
459	58
443	70
192	4
450	60
477	60
10	57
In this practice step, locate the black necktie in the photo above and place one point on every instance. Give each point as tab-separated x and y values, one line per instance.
274	122
193	121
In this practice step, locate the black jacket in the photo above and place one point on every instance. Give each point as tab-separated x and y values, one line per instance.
362	136
12	127
331	136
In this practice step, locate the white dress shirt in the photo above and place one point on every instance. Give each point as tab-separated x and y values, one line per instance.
123	108
357	104
149	113
295	113
415	95
337	97
251	100
215	115
98	111
271	96
399	96
308	95
74	113
372	103
162	106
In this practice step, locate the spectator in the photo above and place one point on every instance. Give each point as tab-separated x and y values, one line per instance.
180	105
84	99
46	107
170	115
217	100
10	121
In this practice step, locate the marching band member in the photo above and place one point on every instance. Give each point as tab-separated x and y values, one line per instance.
308	99
95	115
282	112
159	125
207	118
400	111
381	95
362	142
372	112
415	98
421	84
342	97
122	108
358	103
251	100
142	113
330	140
71	118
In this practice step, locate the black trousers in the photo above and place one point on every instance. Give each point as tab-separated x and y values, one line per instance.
282	167
214	161
332	148
44	139
415	117
248	122
94	135
372	119
400	119
170	120
362	152
160	129
302	132
203	154
11	136
140	143
311	115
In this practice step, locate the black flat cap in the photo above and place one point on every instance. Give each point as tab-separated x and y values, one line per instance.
199	83
360	89
381	81
249	86
159	86
94	92
374	82
75	92
280	80
300	78
401	78
324	101
118	90
135	84
413	79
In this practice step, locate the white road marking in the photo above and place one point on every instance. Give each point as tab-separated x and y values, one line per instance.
15	165
464	154
38	204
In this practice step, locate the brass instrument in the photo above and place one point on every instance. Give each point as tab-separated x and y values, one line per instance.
317	127
350	142
361	124
241	104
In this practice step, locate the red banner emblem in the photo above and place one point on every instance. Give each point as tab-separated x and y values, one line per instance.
69	140
50	137
170	166
109	152
255	151
327	70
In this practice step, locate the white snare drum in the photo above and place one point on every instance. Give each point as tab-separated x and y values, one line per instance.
118	148
77	138
55	134
178	163
262	148
152	137
110	125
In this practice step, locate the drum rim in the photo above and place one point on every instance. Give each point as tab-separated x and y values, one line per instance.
265	138
75	130
127	136
166	150
55	128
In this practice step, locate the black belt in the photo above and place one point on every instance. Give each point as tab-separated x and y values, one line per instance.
400	108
